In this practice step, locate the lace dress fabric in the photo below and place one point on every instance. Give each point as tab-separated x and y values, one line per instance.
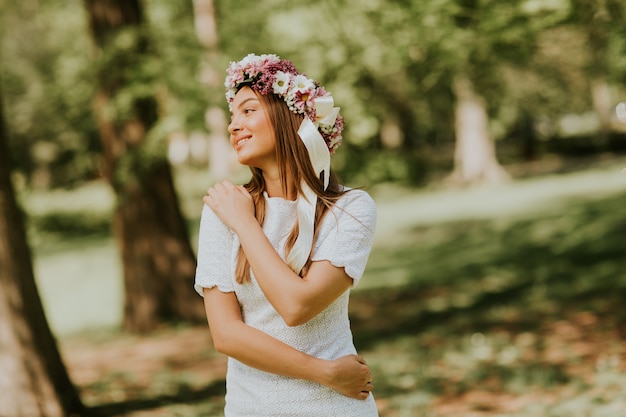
345	239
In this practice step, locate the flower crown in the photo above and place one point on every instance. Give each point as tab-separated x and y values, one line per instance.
270	74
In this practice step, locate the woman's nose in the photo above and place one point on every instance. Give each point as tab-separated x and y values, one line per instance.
233	126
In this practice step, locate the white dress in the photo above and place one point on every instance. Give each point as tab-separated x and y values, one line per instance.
345	239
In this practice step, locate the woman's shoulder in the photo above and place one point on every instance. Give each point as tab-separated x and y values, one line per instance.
356	197
356	204
211	223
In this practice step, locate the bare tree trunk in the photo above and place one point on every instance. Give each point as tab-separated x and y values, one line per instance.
33	379
158	261
221	156
598	18
602	105
474	153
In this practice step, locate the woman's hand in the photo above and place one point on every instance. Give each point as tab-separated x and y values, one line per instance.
351	376
232	203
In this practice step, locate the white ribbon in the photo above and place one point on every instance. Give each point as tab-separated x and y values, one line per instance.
317	147
301	249
320	159
325	111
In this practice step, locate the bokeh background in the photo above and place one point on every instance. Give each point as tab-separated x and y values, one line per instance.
491	134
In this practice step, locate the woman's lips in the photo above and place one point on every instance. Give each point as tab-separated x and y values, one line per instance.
241	141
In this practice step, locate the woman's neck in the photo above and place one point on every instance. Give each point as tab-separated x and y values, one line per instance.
274	187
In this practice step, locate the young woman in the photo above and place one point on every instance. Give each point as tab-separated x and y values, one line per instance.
277	257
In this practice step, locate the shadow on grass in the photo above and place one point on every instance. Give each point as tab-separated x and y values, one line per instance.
185	395
465	275
465	278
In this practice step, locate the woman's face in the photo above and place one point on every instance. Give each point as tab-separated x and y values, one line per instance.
251	133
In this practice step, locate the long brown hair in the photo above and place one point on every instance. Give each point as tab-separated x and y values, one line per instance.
293	160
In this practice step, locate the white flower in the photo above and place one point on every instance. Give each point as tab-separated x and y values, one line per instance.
248	59
303	84
334	142
281	84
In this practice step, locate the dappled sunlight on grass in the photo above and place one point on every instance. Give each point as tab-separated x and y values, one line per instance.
514	317
462	367
498	301
399	210
574	241
173	367
81	288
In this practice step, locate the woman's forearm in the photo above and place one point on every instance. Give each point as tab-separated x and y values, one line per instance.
348	375
263	352
296	299
231	336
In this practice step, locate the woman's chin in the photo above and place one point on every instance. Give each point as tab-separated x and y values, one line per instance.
242	157
246	160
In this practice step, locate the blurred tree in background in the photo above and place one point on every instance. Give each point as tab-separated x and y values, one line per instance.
483	37
220	156
601	23
33	378
47	81
158	261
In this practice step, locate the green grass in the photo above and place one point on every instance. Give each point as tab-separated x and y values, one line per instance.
498	308
493	301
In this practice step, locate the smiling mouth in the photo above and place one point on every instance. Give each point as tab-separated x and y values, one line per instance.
241	142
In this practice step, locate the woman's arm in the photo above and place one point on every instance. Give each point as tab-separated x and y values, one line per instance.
348	375
296	299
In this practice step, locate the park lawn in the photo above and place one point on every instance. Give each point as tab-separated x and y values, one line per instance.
493	301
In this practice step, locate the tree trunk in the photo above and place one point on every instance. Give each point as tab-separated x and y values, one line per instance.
33	379
474	153
221	156
598	18
158	261
602	105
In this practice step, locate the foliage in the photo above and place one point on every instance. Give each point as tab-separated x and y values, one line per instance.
47	88
179	56
50	85
389	66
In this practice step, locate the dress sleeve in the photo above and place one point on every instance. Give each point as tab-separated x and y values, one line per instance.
215	248
347	233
